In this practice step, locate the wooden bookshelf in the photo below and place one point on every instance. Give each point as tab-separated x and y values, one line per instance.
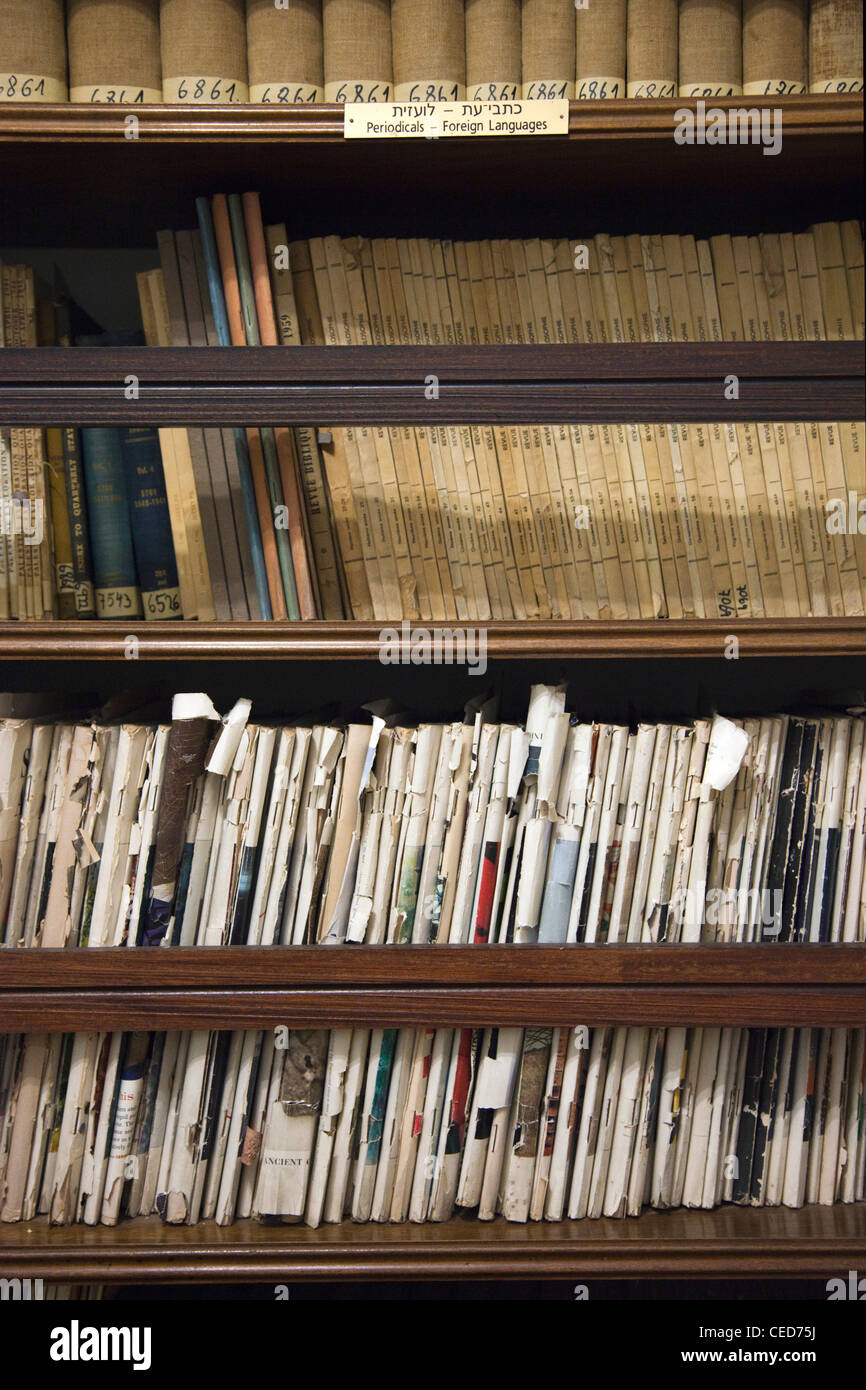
772	966
731	1242
79	181
442	986
385	385
360	641
805	117
418	187
451	1006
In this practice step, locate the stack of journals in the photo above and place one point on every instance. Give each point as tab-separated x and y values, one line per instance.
396	1124
209	832
472	522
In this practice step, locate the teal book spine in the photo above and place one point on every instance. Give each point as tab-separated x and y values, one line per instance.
114	576
221	323
151	525
269	444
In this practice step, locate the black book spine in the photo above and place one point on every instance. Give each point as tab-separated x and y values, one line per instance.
780	850
765	1117
749	1113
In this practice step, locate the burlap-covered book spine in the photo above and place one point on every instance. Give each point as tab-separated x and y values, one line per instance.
601	45
836	46
775	42
33	51
114	51
492	50
710	48
357	36
651	61
204	52
428	39
547	46
285	53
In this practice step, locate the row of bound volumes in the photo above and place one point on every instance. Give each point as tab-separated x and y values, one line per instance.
287	51
417	1124
85	526
729	521
228	832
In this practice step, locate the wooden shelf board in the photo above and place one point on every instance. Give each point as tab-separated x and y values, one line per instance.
441	1006
417	187
362	641
574	383
323	121
730	1242
781	965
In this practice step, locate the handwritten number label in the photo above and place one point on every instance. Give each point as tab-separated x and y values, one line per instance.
14	87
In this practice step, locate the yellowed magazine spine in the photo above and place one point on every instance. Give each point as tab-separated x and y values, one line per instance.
804	521
626	439
749	600
400	569
489	576
728	273
814	480
767	441
588	524
342	465
715	477
496	309
839	325
421	505
788	545
641	444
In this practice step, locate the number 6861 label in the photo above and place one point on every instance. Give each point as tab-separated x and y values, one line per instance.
205	91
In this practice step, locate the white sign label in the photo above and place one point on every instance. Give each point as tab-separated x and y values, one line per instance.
441	120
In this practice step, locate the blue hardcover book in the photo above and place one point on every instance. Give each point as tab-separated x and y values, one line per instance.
221	323
151	525
114	575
